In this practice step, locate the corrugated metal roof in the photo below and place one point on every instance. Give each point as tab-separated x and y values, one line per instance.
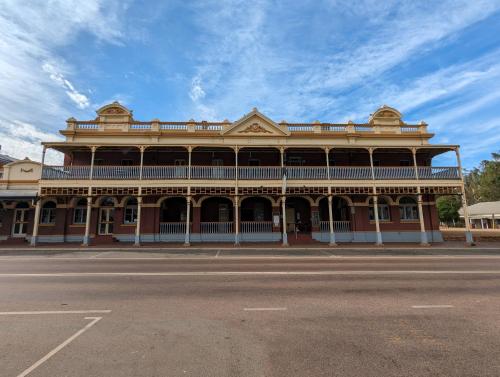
4	159
484	208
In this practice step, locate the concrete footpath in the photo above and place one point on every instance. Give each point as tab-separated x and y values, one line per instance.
257	250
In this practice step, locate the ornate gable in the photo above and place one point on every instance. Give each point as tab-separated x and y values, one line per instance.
255	123
114	112
386	115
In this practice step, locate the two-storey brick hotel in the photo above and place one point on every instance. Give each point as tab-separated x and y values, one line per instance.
252	180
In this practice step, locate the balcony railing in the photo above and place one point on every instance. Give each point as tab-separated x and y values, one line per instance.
338	226
256	227
248	173
216	227
173	227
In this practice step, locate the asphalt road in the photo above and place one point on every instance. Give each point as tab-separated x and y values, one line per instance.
103	314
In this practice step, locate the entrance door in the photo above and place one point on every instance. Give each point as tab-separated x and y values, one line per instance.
19	229
106	220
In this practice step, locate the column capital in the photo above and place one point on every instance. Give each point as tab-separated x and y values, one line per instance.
142	148
93	148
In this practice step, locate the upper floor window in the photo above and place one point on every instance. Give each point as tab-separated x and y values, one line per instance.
130	212
253	162
404	163
384	212
98	161
48	215
80	212
408	209
127	162
295	161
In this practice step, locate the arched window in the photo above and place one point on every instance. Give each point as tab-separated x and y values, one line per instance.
80	212
408	209
48	215
384	213
130	211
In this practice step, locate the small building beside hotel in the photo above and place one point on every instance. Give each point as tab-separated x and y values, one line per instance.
485	215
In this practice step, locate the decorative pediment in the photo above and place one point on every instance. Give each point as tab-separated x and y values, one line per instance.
255	123
114	112
386	115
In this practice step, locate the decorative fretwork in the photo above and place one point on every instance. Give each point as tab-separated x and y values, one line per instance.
352	190
115	191
396	190
259	190
307	190
441	190
212	190
71	191
164	191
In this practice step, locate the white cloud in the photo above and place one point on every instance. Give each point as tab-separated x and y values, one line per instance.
36	84
81	100
196	93
22	140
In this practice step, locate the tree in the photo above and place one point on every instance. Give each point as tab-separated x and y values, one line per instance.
448	207
482	184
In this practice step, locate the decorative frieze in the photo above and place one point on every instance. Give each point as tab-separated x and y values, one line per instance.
71	191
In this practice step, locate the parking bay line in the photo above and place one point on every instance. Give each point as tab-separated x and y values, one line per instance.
262	309
60	346
39	312
431	306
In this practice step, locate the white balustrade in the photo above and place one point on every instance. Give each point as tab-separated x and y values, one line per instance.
249	172
433	172
173	227
350	172
87	126
338	226
164	172
216	227
213	172
209	127
409	129
388	172
116	172
172	127
65	172
256	226
140	126
306	172
334	128
260	172
300	128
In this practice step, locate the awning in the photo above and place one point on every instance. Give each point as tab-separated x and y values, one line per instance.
18	194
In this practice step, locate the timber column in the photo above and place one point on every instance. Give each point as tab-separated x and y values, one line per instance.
423	233
375	202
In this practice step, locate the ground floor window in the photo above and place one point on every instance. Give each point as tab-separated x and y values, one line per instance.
48	215
408	209
384	213
130	212
80	212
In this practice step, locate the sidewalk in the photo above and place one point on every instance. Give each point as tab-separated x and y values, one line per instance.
262	249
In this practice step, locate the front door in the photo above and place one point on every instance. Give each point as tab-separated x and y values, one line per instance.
290	219
19	228
106	220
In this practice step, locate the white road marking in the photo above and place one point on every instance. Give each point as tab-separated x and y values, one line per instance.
256	273
217	255
98	254
262	309
431	306
57	312
60	346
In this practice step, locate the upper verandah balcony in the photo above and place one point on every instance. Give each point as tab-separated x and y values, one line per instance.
251	163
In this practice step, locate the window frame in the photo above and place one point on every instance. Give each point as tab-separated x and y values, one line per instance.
130	212
48	214
79	208
383	209
408	208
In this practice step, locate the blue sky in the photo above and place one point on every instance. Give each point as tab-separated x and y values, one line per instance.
212	60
